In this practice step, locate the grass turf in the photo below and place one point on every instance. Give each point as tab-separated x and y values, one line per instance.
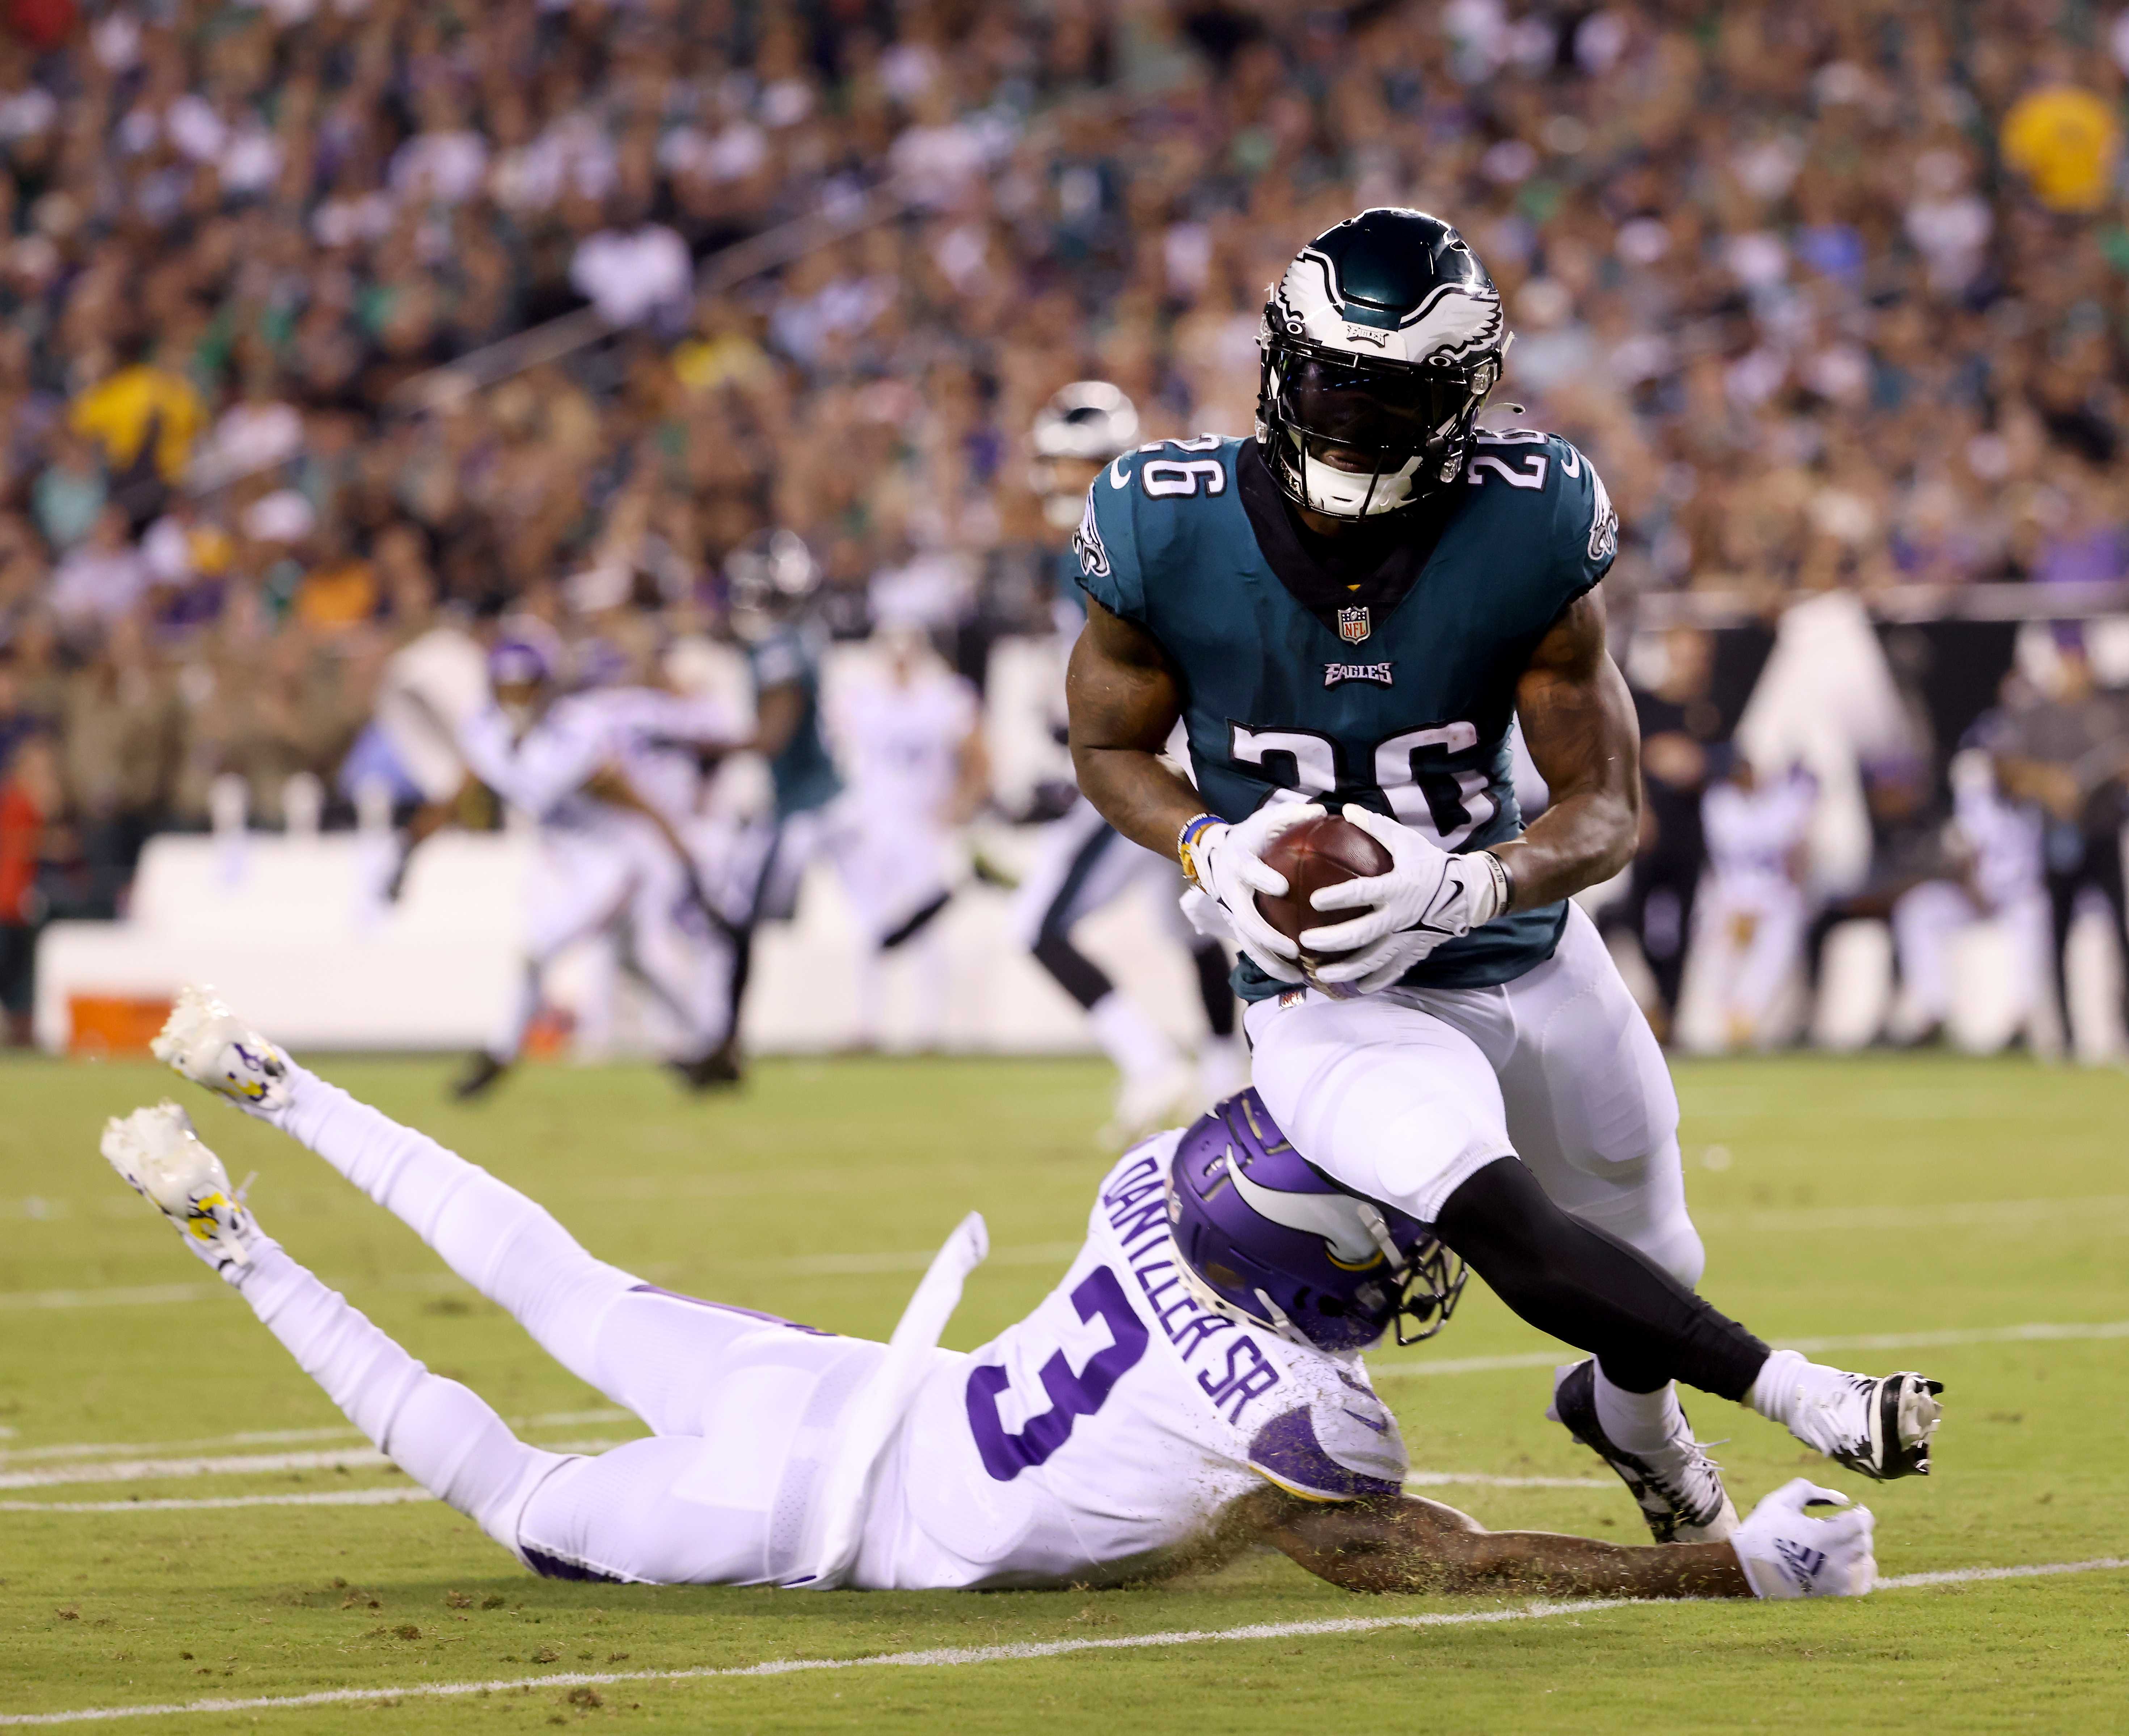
1848	1197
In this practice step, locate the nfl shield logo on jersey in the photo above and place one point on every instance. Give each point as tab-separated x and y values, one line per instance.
1353	625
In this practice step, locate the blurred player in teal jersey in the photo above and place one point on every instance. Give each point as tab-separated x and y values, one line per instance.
1085	864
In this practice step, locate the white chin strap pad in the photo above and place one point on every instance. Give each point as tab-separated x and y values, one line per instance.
1345	494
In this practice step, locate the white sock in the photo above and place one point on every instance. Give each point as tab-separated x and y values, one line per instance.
1815	1404
1138	1047
439	1433
506	1247
1641	1423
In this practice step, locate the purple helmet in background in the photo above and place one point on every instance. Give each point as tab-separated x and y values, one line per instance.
526	653
1266	1239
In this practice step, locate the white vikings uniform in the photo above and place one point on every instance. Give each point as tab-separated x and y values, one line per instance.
2005	882
1088	1444
899	746
598	862
1751	914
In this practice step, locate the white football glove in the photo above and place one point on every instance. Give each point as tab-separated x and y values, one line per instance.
1785	1553
1428	896
1231	868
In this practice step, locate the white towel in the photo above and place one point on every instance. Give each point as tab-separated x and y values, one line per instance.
837	1525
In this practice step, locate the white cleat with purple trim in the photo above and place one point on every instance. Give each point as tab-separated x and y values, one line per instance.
206	1043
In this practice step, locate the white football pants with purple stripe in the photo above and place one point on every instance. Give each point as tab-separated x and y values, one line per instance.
744	1406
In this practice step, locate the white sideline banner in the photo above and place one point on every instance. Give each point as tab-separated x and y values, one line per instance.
288	932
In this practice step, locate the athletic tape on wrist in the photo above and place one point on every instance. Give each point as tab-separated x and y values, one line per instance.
1193	828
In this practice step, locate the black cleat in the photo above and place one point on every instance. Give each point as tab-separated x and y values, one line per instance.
478	1077
720	1070
1885	1424
1679	1490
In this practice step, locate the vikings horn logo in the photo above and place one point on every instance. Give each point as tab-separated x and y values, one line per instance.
1455	321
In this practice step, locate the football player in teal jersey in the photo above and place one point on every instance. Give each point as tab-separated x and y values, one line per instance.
1348	611
1083	864
772	579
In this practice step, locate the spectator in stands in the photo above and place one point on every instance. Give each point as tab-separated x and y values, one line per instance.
1683	748
29	799
2069	753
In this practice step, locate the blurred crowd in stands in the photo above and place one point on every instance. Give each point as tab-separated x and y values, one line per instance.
1833	291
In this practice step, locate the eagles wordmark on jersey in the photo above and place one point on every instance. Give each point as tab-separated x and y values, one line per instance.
1403	704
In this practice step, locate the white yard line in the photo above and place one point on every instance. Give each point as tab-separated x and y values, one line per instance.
276	1437
2035	1332
954	1656
144	1470
145	1295
392	1497
1478	1480
1976	1214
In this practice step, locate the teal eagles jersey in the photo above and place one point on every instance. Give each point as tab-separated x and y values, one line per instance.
804	773
1403	707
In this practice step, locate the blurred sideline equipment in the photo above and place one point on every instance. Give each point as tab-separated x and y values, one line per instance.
1084	864
785	1456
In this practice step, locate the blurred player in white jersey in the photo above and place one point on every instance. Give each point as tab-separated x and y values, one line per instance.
600	774
1750	923
1085	864
1998	841
909	740
1193	1383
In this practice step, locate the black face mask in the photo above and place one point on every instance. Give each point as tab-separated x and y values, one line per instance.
1380	415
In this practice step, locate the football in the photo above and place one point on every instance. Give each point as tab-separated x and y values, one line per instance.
1312	855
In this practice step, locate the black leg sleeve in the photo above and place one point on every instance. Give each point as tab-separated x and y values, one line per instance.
1570	1279
1214	987
1077	974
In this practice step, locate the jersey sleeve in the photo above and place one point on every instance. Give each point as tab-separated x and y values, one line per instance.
1585	529
779	662
1106	545
1340	1446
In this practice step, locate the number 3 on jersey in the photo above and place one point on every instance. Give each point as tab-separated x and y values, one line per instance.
1447	805
1006	1453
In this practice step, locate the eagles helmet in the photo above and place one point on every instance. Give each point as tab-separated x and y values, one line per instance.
1378	343
1267	1240
1090	421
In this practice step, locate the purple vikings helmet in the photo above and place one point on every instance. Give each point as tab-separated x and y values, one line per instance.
1267	1240
526	654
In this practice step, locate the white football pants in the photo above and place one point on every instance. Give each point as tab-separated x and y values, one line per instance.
744	1406
1927	919
1404	1095
1749	933
585	882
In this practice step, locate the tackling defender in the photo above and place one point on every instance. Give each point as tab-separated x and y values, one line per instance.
1351	609
1193	1383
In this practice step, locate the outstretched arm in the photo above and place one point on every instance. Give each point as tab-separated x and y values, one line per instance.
1404	1543
1123	699
1579	722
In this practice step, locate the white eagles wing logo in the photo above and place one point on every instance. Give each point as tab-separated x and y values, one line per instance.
1087	544
1455	321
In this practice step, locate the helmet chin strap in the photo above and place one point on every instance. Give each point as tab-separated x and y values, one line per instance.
1330	489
